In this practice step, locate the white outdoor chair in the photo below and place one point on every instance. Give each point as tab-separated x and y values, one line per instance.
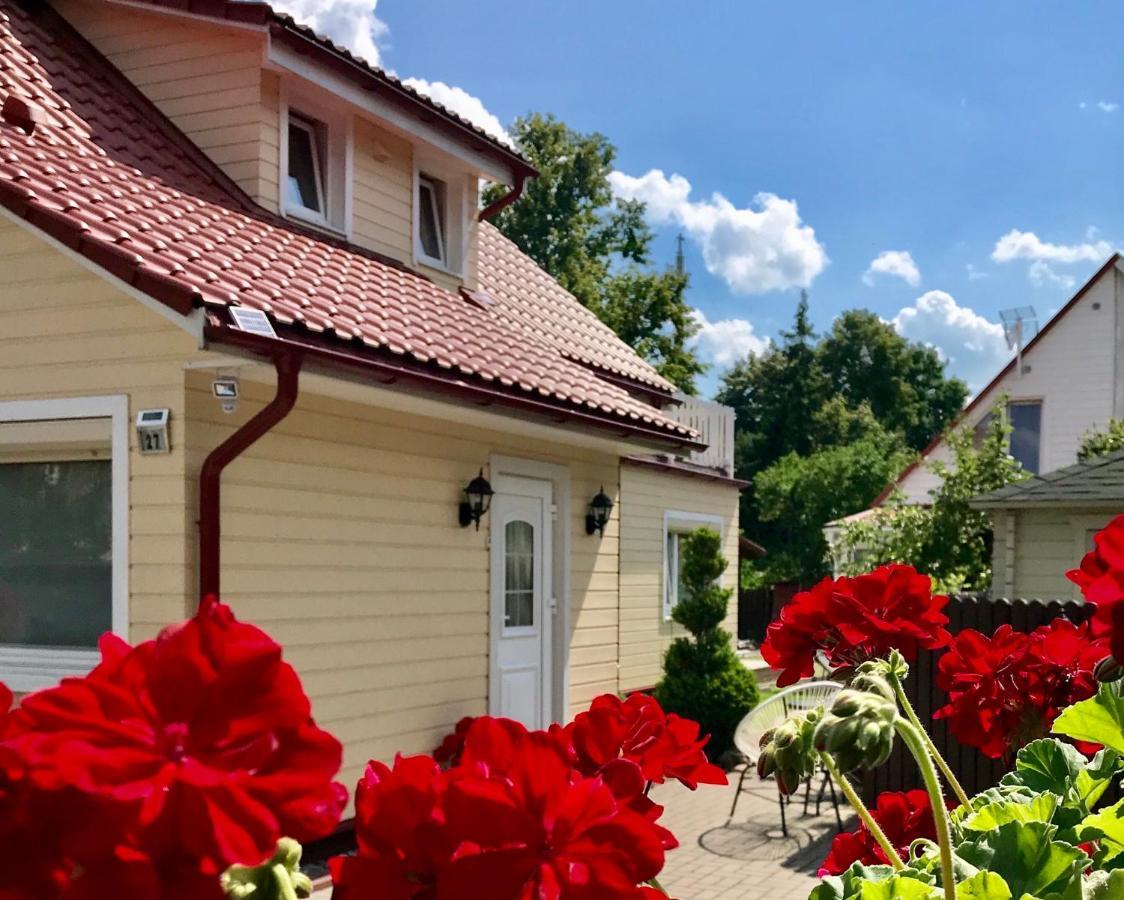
767	716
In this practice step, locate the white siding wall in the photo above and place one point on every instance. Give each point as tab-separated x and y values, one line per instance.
1072	370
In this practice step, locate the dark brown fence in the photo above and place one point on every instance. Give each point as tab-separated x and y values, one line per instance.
975	771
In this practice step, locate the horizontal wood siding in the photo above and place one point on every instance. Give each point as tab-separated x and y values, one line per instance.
64	332
645	496
205	78
1048	543
382	218
340	539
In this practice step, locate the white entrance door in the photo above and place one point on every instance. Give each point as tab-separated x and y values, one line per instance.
521	614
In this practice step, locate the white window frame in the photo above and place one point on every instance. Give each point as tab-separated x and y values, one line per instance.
33	668
437	191
297	208
333	133
677	522
456	214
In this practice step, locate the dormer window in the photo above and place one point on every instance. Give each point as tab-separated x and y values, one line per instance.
431	223
305	186
316	157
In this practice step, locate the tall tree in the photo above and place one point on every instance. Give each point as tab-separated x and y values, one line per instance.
598	248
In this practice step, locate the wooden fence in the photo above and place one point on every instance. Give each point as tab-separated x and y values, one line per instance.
975	771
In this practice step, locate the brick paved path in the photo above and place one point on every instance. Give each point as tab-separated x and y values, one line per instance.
748	859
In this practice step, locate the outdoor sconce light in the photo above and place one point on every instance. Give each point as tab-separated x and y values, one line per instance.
477	499
600	508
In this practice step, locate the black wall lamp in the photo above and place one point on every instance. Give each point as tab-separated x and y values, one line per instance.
600	508
477	498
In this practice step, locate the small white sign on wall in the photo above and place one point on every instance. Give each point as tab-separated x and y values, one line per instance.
152	431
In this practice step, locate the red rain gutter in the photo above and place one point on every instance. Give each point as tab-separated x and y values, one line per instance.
288	367
506	200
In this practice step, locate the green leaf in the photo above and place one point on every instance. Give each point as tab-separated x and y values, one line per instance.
1106	826
1028	858
1099	720
1097	775
983	886
1046	765
992	815
849	885
1103	885
899	887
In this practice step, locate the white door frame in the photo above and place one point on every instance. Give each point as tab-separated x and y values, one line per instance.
559	477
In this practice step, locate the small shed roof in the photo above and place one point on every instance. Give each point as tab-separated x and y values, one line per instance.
1094	483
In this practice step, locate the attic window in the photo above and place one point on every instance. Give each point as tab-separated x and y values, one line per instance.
305	176
431	219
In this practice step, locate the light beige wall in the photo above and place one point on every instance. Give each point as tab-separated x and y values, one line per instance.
1048	542
646	495
384	192
206	78
65	332
340	539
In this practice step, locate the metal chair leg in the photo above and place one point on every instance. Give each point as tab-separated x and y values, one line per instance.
835	803
737	794
807	792
784	822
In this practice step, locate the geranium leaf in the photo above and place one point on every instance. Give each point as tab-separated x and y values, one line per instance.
898	887
992	815
1028	858
1094	779
1046	765
983	886
1098	720
1103	885
849	885
1106	826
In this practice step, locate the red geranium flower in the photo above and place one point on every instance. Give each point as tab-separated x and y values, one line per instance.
637	729
903	816
1006	690
855	619
1101	579
204	731
449	751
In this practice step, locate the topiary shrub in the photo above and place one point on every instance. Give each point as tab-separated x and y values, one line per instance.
703	678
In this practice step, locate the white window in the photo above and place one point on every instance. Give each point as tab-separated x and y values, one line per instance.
316	162
431	219
676	526
304	186
63	535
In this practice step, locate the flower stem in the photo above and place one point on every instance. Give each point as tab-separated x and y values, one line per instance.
864	814
912	738
946	770
655	882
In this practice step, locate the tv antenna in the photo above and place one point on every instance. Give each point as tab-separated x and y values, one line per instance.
1019	326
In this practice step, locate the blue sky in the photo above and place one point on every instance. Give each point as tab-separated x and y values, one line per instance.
983	140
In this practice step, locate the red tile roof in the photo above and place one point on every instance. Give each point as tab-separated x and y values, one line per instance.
106	174
538	302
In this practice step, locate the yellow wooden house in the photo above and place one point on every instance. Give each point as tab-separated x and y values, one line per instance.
257	337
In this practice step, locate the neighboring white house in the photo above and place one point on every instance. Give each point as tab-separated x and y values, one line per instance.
1071	380
1044	525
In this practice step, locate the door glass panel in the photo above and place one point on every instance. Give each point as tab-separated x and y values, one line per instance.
519	575
55	553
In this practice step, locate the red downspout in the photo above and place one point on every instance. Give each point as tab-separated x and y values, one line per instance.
506	200
288	367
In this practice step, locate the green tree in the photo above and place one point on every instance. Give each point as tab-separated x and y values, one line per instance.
703	678
808	395
596	247
905	385
947	540
1100	443
852	459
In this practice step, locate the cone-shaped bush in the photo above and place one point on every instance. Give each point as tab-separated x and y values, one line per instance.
703	678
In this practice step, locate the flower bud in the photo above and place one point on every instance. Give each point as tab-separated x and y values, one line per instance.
788	754
872	683
1108	670
859	729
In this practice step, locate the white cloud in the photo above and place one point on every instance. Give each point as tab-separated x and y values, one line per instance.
974	348
754	250
461	102
1017	244
349	23
974	274
1104	106
1042	274
894	262
726	341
